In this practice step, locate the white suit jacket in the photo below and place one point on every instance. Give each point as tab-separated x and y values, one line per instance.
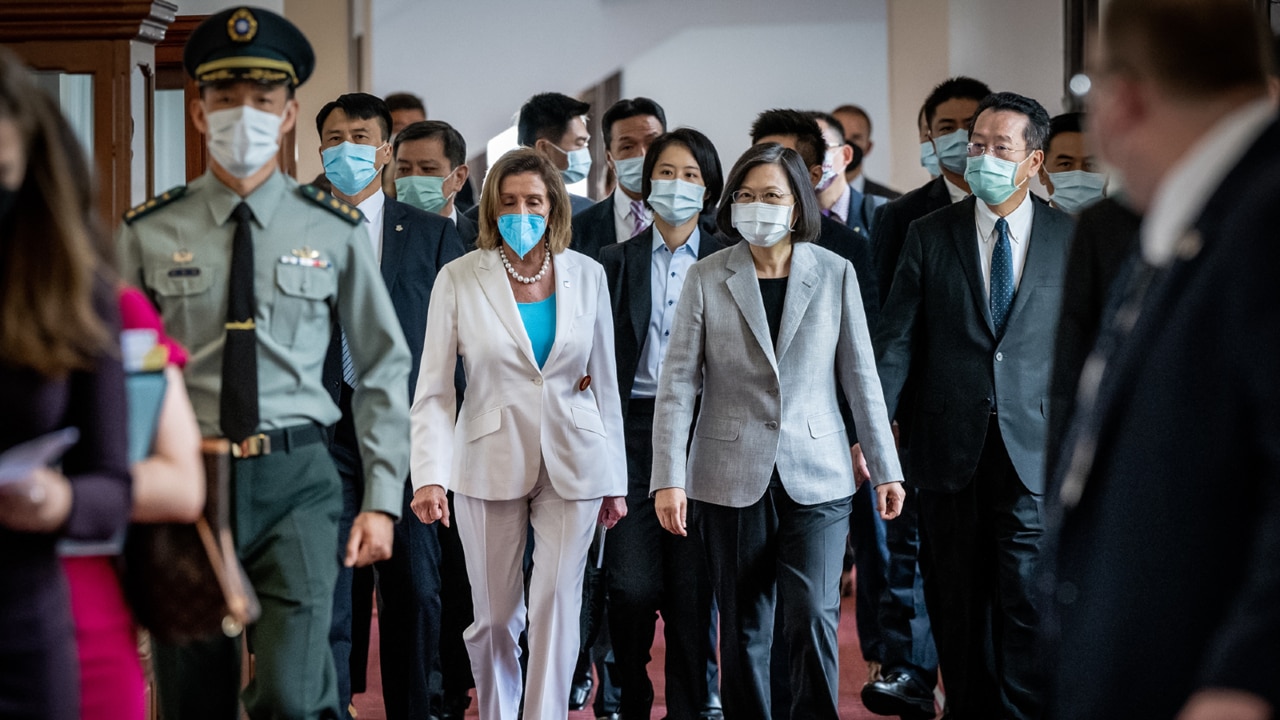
514	414
763	408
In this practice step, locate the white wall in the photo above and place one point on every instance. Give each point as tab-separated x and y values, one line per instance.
717	79
1012	45
476	62
209	7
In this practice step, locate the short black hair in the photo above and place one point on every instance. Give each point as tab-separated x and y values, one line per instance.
961	87
629	108
809	141
856	110
807	223
829	119
1036	133
547	116
704	153
1072	122
357	106
404	101
455	147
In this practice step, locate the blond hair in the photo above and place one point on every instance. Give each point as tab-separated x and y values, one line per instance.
518	162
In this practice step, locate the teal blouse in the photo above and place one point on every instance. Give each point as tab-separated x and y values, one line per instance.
540	324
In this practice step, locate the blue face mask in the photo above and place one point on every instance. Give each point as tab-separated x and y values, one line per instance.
422	192
953	150
929	159
630	172
579	164
350	167
991	179
1076	190
522	231
676	201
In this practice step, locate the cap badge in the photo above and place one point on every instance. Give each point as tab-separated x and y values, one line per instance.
242	26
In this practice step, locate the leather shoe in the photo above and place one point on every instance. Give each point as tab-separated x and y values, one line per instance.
609	716
899	694
580	692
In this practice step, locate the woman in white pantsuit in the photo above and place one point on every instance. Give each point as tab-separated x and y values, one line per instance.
538	439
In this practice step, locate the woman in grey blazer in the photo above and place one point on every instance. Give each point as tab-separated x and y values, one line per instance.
770	330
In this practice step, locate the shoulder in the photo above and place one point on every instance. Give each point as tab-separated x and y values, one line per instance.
1058	223
942	219
163	200
315	196
614	255
414	218
602	210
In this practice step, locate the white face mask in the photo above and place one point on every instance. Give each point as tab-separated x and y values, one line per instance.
761	224
243	139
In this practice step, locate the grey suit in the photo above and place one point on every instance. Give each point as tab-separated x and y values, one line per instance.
769	462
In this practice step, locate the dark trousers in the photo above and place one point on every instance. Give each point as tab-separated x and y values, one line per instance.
285	520
777	549
906	634
978	553
651	571
871	560
408	586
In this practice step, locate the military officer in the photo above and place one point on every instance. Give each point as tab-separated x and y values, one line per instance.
250	271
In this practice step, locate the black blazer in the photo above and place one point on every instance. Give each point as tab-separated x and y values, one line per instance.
1106	235
415	245
891	223
628	269
593	229
874	188
937	331
839	239
1167	580
468	232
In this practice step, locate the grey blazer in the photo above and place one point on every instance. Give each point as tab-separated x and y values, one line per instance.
762	408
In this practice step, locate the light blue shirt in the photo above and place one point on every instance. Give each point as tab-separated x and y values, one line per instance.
540	325
667	272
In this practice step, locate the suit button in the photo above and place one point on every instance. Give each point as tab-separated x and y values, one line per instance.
999	357
772	424
1068	593
537	381
773	392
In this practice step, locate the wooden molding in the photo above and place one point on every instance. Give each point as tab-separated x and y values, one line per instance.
25	21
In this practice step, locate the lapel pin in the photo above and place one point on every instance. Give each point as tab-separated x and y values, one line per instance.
566	283
399	228
584	383
183	256
305	253
1189	246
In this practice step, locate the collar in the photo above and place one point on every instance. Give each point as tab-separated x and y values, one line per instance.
1185	190
954	191
453	214
262	201
1019	220
841	207
859	183
622	206
694	243
372	206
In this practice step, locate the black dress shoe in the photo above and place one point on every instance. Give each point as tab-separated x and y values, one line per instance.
609	716
580	692
899	694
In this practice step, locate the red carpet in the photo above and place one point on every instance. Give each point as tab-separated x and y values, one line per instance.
853	673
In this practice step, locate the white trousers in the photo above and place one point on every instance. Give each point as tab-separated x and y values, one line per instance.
493	534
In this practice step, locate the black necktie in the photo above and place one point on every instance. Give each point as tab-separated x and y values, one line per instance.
239	401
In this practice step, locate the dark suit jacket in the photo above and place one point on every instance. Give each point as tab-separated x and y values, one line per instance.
1106	234
937	330
1167	575
628	268
891	222
468	231
839	239
593	229
874	188
415	245
861	213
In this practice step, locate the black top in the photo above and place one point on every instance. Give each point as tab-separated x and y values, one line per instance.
773	291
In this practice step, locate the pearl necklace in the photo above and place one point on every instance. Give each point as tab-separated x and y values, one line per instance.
546	263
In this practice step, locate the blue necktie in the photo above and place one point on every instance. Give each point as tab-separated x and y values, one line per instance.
1001	277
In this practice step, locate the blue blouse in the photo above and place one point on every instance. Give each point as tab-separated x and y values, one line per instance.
540	325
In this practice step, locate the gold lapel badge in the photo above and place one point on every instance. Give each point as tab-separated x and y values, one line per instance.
182	257
305	253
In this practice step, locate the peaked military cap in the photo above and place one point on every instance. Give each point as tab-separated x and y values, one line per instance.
248	43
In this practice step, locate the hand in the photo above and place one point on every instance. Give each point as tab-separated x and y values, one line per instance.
861	473
430	503
889	499
612	509
670	504
370	541
1223	704
39	504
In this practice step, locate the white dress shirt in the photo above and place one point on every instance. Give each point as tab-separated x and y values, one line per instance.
1019	237
622	221
373	207
1181	197
957	194
453	214
840	210
667	272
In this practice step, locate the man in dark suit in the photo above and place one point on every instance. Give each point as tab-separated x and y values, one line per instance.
969	321
855	126
836	196
1166	503
430	159
411	246
651	571
629	126
910	667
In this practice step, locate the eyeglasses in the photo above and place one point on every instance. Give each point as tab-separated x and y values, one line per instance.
1001	151
770	197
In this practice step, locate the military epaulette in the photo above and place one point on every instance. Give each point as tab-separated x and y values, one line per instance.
155	203
332	204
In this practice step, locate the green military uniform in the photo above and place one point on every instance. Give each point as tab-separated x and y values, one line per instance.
312	263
